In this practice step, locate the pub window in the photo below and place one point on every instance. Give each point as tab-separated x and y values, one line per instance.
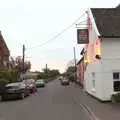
116	82
116	75
116	86
93	80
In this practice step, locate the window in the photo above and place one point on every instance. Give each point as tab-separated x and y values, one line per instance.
93	83
116	86
116	82
93	80
116	75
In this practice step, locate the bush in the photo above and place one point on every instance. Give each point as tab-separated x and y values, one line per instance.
115	97
3	81
70	77
7	76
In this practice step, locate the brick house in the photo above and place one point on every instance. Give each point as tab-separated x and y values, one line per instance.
102	53
80	71
4	53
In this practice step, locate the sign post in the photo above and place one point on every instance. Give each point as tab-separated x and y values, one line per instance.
82	36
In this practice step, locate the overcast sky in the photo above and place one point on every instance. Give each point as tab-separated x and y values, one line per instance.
33	22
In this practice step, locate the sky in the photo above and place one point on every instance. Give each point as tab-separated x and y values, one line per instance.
33	22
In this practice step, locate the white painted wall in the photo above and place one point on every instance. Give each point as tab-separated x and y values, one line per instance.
96	68
110	50
103	70
110	64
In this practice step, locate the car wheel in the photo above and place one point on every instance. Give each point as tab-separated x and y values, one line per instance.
28	92
34	90
3	98
31	91
22	95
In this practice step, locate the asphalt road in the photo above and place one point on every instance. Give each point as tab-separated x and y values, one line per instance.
53	102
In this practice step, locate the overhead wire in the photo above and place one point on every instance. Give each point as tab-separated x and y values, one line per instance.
60	33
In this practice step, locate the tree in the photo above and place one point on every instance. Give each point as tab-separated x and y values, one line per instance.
53	73
46	70
70	71
71	63
7	76
48	75
16	64
16	68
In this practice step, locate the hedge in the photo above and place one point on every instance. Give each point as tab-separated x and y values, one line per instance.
7	76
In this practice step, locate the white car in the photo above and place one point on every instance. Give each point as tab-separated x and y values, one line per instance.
65	81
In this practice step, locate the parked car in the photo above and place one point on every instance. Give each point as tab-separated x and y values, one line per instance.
60	78
65	81
40	83
15	90
31	85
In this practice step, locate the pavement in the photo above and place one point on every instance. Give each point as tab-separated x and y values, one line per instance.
54	102
99	110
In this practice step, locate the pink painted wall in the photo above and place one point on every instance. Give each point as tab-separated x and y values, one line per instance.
80	72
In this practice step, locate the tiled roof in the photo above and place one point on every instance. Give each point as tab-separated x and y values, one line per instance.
107	21
4	46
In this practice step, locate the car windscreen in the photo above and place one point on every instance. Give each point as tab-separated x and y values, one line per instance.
11	87
39	80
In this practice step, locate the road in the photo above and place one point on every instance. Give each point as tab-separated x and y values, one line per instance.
53	102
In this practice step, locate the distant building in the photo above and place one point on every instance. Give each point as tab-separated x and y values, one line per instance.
4	53
102	53
80	71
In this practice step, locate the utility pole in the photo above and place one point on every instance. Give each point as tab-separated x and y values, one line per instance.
75	64
23	57
46	69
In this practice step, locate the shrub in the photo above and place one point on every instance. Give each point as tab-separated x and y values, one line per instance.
3	81
7	76
116	97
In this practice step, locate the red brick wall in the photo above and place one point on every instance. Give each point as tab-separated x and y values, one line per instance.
80	72
4	53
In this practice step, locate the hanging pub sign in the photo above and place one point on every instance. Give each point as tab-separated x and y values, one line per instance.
82	36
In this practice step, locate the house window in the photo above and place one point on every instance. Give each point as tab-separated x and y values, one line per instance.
93	81
116	82
116	75
116	86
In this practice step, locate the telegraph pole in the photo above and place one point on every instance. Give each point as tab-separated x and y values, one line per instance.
23	56
75	64
46	69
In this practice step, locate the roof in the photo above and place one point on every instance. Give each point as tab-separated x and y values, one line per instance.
118	6
80	60
82	52
107	21
3	45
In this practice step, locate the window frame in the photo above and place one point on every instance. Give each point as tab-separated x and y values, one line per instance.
116	78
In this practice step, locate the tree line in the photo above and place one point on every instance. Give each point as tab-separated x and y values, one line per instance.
48	74
14	71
